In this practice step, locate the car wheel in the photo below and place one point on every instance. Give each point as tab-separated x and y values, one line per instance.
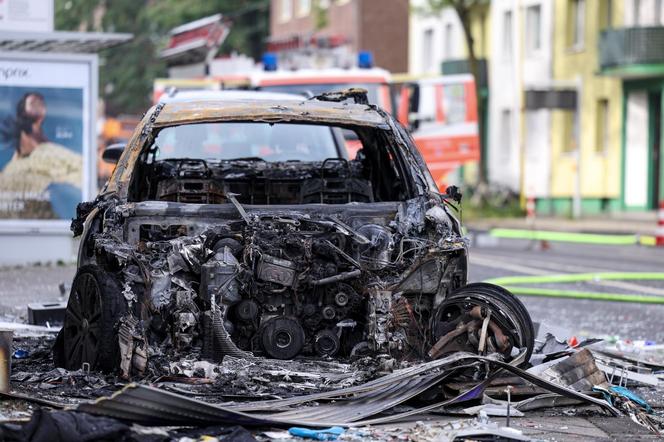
460	316
89	334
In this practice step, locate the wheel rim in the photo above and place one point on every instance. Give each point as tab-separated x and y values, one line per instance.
507	319
82	323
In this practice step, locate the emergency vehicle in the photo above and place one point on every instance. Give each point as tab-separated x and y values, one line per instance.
163	86
441	114
312	82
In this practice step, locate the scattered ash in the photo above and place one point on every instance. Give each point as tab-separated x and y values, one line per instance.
235	379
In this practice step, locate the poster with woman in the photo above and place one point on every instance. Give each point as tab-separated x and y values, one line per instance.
44	138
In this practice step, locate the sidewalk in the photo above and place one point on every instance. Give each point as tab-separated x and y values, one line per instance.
642	223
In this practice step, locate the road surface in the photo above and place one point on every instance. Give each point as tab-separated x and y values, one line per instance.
492	259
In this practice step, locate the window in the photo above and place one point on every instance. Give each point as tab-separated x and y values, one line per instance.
427	104
602	136
448	45
577	23
454	103
533	29
303	7
506	134
507	35
286	10
482	37
658	12
605	14
427	50
636	12
570	130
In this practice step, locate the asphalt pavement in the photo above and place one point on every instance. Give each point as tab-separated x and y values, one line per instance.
20	286
492	258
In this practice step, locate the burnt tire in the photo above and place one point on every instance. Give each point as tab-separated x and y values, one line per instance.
89	333
502	302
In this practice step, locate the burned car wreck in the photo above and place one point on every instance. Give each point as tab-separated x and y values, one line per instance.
243	228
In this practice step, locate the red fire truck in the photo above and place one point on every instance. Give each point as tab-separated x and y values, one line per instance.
441	113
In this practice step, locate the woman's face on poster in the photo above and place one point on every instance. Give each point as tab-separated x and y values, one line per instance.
35	107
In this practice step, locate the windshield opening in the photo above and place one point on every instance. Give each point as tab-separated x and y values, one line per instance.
269	164
238	140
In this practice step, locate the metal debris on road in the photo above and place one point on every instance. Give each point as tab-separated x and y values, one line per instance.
259	393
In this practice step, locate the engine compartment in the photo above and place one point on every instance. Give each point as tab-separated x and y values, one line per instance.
282	283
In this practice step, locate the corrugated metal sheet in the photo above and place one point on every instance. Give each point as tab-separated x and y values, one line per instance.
62	42
351	406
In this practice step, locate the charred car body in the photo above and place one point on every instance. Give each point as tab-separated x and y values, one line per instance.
241	228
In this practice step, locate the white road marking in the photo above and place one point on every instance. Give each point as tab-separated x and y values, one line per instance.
503	262
500	263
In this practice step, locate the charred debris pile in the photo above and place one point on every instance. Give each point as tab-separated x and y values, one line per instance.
591	378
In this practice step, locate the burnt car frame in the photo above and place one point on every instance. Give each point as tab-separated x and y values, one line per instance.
246	257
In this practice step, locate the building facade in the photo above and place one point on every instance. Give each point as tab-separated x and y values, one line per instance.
330	33
521	65
585	123
433	39
630	53
575	98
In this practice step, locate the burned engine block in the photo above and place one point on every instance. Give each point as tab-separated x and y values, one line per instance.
283	285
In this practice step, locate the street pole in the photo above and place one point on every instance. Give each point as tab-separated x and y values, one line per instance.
520	108
576	201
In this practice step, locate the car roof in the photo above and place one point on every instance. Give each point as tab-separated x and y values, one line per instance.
201	94
302	111
320	76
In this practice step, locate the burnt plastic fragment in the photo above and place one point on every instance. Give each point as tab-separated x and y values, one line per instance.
82	211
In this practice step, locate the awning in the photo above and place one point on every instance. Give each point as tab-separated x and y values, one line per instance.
68	42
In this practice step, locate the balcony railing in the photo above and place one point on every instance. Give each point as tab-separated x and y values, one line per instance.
621	48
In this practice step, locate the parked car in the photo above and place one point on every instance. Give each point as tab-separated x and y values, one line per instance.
240	227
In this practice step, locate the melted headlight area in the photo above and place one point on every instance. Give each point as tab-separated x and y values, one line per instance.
283	285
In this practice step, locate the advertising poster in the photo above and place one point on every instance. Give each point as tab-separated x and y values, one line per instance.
44	138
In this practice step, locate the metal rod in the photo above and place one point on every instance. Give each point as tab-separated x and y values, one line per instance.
337	278
508	390
6	338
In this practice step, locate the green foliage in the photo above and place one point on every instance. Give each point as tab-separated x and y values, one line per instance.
320	14
491	206
127	72
435	6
